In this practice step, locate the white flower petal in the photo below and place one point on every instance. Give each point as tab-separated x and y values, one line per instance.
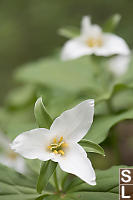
74	49
118	65
85	25
112	44
18	163
73	124
89	30
76	162
33	144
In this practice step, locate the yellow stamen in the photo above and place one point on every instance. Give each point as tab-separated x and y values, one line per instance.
12	155
56	152
55	141
58	146
94	42
61	138
61	152
64	145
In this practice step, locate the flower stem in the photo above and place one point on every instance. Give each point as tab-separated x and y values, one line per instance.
56	181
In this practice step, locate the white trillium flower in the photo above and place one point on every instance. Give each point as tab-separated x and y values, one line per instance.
93	41
118	65
60	143
9	158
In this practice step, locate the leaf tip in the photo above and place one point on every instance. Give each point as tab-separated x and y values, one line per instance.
38	100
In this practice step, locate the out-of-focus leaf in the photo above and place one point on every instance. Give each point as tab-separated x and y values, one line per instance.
122	100
127	78
21	96
34	165
42	117
111	23
103	124
15	186
13	122
91	146
46	171
75	75
69	32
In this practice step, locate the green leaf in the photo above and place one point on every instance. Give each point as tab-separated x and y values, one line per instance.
112	23
122	100
15	121
46	171
34	165
42	117
107	180
56	100
74	75
127	77
21	96
107	186
91	147
92	196
69	32
47	168
102	125
15	186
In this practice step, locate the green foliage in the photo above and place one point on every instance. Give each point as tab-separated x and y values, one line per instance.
47	168
109	26
102	125
81	75
62	85
21	96
71	75
46	171
122	100
91	147
14	122
15	186
69	32
42	117
111	23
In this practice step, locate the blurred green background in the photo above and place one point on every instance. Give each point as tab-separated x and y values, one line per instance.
28	28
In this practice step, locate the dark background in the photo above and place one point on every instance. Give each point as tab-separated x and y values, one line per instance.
28	28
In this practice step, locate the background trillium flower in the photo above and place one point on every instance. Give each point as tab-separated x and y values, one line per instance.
60	143
93	41
118	65
9	157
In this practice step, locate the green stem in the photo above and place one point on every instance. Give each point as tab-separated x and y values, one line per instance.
56	181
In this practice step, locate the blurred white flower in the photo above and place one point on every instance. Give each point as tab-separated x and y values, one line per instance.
60	143
9	157
118	65
93	41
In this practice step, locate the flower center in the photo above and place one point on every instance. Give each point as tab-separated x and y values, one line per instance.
94	42
12	155
57	147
